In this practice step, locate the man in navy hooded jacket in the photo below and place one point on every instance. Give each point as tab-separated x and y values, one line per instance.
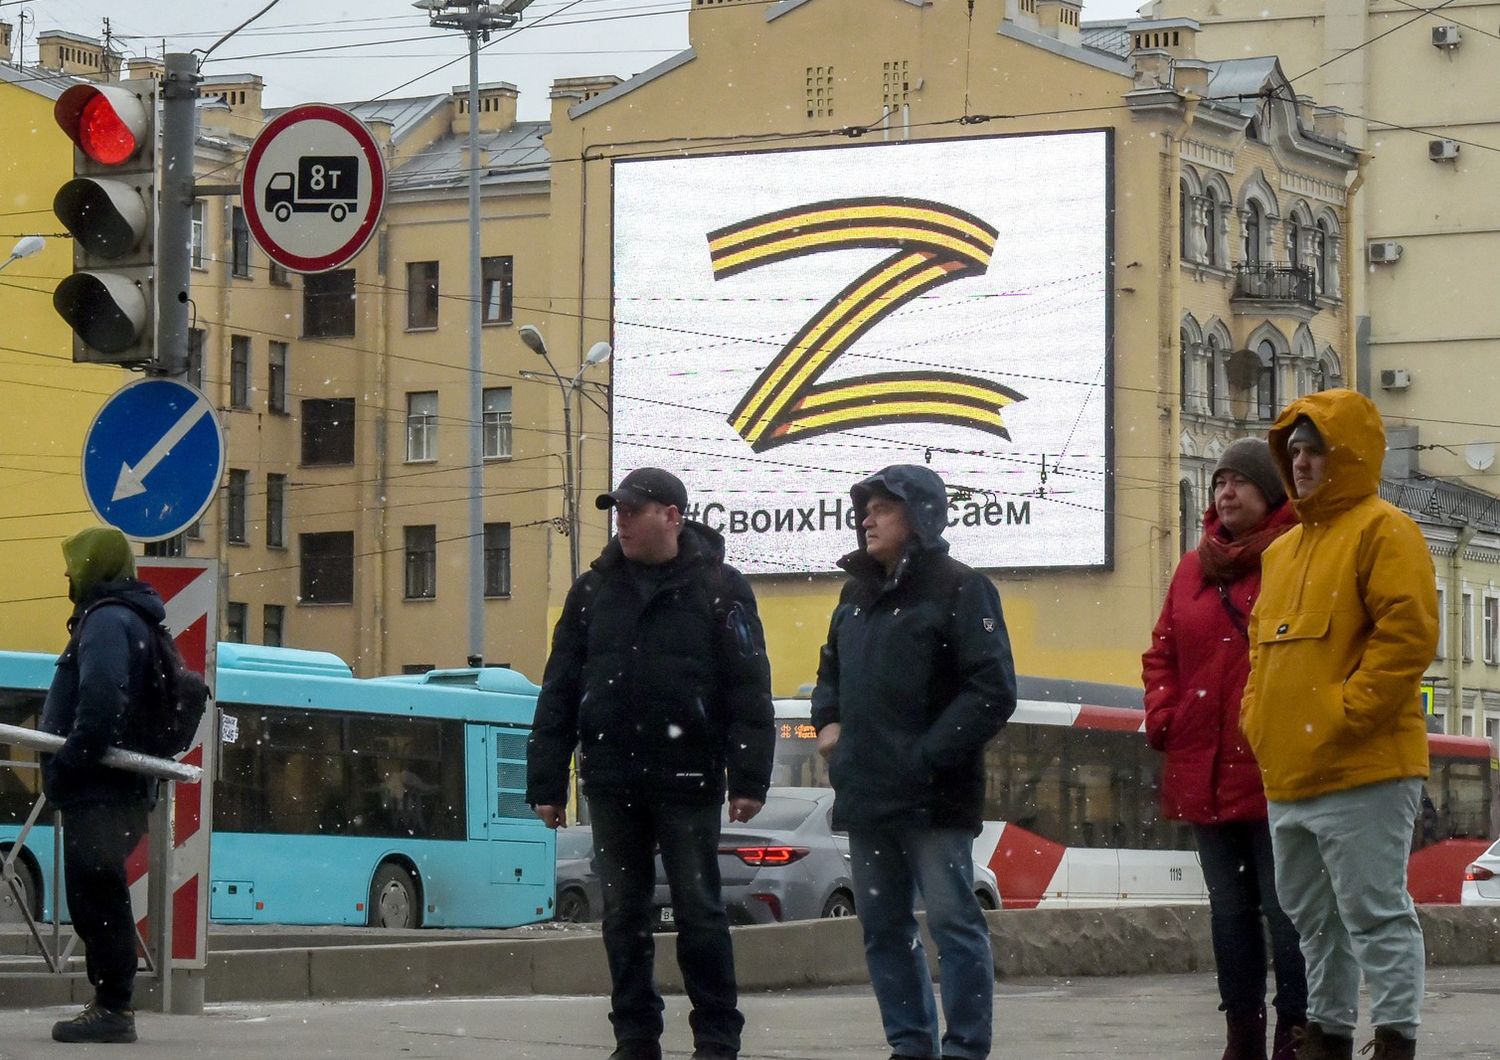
915	679
101	675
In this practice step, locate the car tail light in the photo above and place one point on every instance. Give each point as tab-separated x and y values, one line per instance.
1477	874
772	903
766	855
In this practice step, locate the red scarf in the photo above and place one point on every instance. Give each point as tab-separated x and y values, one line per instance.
1225	559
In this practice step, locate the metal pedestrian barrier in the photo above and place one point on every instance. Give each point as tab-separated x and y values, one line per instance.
56	952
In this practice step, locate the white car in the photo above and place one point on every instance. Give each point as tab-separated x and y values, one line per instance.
1482	879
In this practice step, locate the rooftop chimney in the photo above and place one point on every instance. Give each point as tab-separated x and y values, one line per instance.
1178	37
1060	18
497	107
5	31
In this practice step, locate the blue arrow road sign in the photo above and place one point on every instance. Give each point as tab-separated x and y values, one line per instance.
153	458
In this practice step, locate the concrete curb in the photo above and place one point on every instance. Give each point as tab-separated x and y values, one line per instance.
1027	943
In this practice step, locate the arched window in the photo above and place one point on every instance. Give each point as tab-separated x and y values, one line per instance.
1185	219
1265	380
1322	257
1216	201
1185	382
1186	523
1255	223
1213	352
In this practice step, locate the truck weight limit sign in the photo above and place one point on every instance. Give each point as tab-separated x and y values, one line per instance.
313	188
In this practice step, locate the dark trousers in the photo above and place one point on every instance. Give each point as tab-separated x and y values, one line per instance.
97	838
1240	871
627	833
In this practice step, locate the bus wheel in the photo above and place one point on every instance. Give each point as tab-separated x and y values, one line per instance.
573	907
10	909
393	898
839	903
985	901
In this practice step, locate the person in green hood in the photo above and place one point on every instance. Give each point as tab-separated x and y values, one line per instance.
102	673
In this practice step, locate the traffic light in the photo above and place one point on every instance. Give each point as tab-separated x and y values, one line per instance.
109	207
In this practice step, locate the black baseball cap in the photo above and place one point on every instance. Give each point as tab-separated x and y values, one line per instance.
646	484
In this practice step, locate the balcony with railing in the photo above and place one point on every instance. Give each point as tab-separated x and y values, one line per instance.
1264	288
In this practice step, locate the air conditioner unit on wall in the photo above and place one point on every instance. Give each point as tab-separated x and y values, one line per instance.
1442	150
1394	379
1445	36
1385	252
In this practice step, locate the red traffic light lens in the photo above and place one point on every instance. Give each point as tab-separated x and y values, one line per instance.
103	135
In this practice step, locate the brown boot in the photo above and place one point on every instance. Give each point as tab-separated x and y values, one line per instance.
1314	1043
1284	1043
1247	1034
1391	1045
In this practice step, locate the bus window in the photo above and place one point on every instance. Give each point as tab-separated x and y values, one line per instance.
1459	790
20	777
797	763
399	786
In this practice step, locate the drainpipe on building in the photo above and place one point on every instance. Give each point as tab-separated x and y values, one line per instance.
1455	604
380	649
1353	373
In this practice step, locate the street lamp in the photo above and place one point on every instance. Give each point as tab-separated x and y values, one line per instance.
476	20
25	247
598	353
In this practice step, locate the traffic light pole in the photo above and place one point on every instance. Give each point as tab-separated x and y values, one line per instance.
179	131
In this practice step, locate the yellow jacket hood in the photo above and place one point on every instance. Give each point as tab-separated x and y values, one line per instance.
1352	430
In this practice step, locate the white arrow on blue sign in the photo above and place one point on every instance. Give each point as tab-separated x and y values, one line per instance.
153	458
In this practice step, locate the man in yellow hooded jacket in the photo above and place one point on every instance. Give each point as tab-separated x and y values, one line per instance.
1346	623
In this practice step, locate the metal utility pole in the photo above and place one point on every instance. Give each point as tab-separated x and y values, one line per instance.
179	132
476	20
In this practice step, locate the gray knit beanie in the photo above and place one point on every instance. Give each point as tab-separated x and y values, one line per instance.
1251	457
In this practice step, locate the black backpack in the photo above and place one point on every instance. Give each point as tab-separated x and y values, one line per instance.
166	718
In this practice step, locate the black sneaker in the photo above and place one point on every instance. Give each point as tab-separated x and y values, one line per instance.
714	1052
97	1024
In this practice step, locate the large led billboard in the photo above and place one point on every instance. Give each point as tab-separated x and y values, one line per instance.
788	322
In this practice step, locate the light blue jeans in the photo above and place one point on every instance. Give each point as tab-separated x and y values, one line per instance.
1341	877
890	868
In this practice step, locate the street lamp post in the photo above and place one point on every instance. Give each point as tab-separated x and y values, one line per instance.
476	20
598	353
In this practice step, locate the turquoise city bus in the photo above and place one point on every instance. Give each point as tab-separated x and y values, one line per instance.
387	801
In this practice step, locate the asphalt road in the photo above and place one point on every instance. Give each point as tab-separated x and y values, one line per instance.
1158	1017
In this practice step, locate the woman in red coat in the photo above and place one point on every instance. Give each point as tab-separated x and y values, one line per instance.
1195	676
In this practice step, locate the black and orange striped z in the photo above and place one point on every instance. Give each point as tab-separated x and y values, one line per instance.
934	244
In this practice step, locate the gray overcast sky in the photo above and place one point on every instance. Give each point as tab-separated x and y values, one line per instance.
370	48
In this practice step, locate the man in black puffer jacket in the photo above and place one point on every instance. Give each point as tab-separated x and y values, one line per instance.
659	669
915	679
101	677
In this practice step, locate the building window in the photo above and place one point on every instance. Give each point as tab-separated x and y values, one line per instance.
421	295
195	357
417	668
234	518
276	378
497	283
198	234
1466	627
171	548
1216	212
328	431
1255	223
275	511
234	622
272	622
496	559
328	304
1442	645
1186	353
496	422
278	275
421	426
421	562
239	371
819	87
194	532
240	243
327	567
1492	630
1265	381
1211	366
